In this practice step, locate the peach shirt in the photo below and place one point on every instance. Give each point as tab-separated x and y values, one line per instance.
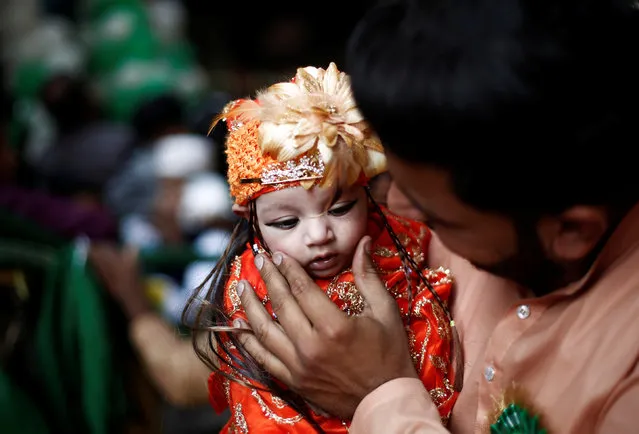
574	353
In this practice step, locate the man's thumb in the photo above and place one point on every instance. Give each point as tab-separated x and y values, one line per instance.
367	280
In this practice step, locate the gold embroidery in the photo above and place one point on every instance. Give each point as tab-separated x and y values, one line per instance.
449	387
385	252
271	415
439	396
404	239
398	291
445	279
401	220
278	402
237	267
412	341
439	363
419	305
236	270
348	293
226	383
418	255
236	303
238	425
424	346
423	232
443	326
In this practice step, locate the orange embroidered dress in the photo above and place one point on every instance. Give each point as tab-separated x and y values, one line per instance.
428	329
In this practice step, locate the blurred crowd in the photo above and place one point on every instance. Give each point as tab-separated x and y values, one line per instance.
113	206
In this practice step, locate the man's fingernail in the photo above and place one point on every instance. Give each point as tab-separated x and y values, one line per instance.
238	323
240	288
367	246
277	258
259	261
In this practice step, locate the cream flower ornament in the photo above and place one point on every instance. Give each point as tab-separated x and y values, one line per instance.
317	111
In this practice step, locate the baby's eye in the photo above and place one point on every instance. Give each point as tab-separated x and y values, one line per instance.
284	224
342	209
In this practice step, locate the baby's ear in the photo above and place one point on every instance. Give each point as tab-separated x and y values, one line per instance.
241	211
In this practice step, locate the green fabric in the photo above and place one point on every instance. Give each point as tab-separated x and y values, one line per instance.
167	260
30	422
29	78
133	83
121	33
78	376
93	9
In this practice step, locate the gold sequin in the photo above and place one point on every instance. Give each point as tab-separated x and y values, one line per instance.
439	363
271	415
385	252
237	267
238	424
418	255
443	325
412	341
236	270
236	303
422	351
439	396
404	239
348	293
278	402
419	305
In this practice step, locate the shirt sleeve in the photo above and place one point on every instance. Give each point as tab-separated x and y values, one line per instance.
620	415
398	406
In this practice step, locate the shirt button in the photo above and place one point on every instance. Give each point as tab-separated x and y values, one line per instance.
489	373
523	311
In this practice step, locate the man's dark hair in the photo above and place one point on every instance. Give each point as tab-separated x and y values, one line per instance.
526	103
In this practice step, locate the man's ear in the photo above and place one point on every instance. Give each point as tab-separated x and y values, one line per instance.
241	211
573	234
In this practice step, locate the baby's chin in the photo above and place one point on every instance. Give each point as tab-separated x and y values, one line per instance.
341	265
322	275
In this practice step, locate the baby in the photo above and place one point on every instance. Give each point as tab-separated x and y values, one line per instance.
300	158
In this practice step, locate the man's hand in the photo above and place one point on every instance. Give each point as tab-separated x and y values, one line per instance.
332	360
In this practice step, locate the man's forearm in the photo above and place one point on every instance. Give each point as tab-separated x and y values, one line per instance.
398	407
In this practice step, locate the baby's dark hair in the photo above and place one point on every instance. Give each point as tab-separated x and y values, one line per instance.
213	323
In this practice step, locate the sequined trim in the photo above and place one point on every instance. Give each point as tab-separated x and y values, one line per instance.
385	252
422	351
348	293
234	298
278	402
238	423
271	415
443	325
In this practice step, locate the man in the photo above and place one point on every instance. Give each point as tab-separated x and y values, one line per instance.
488	111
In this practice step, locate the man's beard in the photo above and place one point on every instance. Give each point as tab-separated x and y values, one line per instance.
529	267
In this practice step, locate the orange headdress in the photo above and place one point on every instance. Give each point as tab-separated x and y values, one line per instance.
304	132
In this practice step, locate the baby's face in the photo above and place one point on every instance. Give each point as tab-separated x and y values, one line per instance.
314	227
